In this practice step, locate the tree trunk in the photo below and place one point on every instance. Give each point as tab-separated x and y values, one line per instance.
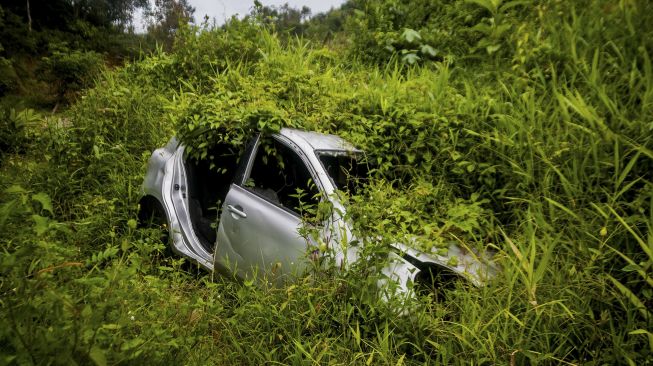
29	18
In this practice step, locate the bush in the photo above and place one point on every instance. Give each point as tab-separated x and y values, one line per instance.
8	78
15	130
539	149
71	71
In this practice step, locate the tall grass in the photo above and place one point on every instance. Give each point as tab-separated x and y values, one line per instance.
543	155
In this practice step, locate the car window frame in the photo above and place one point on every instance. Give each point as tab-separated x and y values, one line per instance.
247	160
336	151
295	149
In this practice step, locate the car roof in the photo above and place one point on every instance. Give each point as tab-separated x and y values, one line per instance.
318	141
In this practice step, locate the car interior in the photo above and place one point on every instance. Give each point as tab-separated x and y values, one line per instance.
280	176
208	184
347	171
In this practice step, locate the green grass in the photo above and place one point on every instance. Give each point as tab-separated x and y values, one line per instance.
541	152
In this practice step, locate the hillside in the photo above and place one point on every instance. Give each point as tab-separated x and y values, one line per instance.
522	127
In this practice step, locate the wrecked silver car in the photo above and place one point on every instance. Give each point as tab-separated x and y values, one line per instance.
242	214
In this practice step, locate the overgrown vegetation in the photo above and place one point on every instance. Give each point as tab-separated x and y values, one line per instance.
524	127
50	51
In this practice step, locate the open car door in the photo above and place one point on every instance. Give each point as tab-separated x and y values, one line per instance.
261	216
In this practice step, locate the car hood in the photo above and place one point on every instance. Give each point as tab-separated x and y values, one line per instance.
405	263
476	267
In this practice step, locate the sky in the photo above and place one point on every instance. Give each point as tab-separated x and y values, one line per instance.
222	10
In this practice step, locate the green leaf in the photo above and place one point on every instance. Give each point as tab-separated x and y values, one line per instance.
411	35
44	200
489	5
15	189
486	29
41	224
410	58
428	50
512	4
634	300
492	48
87	311
131	344
647	333
453	261
111	326
125	245
631	268
500	30
97	355
5	211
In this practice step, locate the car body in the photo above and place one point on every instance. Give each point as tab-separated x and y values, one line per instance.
240	214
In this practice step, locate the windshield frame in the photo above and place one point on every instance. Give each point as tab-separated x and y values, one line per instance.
359	155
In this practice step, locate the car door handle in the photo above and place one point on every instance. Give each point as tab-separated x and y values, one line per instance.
237	210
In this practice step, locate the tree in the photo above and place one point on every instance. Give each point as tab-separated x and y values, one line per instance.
29	18
165	19
284	18
59	14
121	12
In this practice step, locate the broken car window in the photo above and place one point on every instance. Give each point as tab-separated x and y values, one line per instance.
348	170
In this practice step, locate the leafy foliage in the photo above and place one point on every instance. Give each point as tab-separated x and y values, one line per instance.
166	18
71	72
14	129
528	133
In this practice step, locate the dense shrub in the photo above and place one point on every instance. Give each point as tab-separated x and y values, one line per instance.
385	28
71	71
8	78
521	153
15	130
540	148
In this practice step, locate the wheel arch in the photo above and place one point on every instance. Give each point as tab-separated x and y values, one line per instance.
149	206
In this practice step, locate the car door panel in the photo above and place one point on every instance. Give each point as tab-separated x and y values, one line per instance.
226	260
260	219
265	236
